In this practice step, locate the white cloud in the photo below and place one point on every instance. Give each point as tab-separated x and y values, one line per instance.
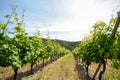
80	16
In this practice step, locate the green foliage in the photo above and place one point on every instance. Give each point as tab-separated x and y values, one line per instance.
115	64
22	49
2	26
68	44
13	51
7	16
100	42
35	47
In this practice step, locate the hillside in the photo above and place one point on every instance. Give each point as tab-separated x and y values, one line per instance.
70	45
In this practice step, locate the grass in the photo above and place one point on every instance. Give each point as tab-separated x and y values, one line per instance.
110	72
5	72
62	69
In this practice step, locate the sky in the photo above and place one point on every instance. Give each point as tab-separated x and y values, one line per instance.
69	20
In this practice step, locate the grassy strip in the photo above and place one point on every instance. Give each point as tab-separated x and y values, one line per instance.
62	69
110	73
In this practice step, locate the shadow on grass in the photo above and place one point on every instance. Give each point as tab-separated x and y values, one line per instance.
28	72
81	71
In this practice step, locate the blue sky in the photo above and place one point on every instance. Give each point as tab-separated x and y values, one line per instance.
64	19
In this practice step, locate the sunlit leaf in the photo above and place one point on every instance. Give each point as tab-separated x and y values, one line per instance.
16	19
3	26
6	16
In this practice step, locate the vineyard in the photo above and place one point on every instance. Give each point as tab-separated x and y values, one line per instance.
100	46
18	48
29	55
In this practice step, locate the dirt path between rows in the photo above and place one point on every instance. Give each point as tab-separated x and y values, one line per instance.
63	69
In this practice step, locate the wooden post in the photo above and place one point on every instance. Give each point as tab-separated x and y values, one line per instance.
97	70
116	25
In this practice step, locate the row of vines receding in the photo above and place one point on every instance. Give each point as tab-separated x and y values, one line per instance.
101	45
17	48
